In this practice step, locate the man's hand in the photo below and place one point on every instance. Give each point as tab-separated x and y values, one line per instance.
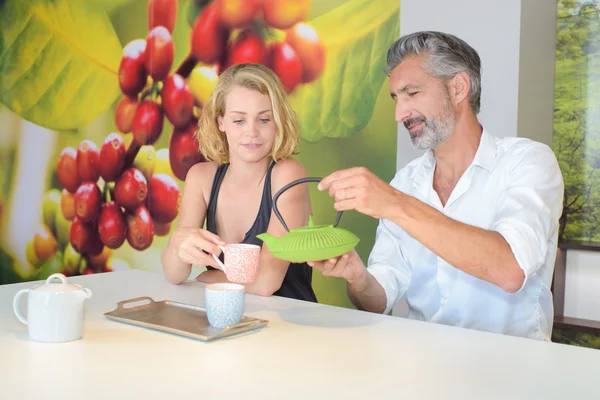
361	190
363	289
349	267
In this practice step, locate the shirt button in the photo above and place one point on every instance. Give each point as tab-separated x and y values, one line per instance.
444	302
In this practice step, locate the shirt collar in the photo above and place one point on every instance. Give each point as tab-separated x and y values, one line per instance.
486	152
484	157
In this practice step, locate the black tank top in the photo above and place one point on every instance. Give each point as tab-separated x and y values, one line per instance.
297	283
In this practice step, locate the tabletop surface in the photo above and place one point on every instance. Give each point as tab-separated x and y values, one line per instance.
306	351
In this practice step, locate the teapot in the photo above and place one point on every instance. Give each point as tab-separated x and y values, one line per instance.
308	243
55	311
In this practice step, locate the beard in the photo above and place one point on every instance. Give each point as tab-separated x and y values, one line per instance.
435	130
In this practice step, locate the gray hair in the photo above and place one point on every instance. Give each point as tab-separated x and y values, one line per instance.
447	56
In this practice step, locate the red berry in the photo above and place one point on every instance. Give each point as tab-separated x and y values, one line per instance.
284	61
44	243
283	14
88	157
237	13
177	101
158	58
95	246
163	198
306	42
67	204
132	73
162	229
209	36
131	189
248	47
112	226
147	123
88	201
112	157
162	12
125	112
140	229
184	151
98	262
66	169
81	234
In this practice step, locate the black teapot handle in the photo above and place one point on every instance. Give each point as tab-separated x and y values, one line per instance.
289	185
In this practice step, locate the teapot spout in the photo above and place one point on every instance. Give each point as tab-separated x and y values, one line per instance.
86	293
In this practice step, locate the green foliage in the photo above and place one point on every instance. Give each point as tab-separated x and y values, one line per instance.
58	61
577	117
574	34
575	338
341	101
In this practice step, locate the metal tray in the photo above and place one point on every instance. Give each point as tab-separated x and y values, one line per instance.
178	318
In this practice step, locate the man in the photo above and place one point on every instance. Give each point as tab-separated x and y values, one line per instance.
468	231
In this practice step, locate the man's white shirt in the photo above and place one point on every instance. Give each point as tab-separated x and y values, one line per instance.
513	186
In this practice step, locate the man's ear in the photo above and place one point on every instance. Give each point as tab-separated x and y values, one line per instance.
462	87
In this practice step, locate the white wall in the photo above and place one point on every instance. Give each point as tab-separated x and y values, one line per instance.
516	42
492	28
582	288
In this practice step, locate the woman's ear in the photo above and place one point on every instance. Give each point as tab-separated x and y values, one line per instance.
220	123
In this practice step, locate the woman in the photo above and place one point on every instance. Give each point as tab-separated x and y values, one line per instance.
247	131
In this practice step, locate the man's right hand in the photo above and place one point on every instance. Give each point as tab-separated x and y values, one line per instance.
349	267
363	289
190	243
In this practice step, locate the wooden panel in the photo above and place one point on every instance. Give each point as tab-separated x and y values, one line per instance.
579	245
558	283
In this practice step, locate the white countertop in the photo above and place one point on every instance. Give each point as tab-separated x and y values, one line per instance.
306	351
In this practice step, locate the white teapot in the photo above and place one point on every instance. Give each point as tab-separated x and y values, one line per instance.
55	311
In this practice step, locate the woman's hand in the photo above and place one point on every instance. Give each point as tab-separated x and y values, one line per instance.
196	246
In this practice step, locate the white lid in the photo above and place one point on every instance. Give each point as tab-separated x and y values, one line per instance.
60	287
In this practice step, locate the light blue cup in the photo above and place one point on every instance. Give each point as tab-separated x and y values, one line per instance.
224	303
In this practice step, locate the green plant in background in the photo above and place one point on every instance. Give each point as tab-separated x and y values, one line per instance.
577	117
576	141
575	338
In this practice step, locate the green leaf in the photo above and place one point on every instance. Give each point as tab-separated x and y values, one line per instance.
58	61
51	266
357	36
110	5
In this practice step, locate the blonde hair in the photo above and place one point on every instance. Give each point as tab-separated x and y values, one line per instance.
213	142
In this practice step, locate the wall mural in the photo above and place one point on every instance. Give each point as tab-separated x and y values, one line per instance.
577	119
84	122
577	132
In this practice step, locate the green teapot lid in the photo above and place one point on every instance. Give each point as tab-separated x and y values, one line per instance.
312	242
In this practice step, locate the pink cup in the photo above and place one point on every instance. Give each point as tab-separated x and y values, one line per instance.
241	262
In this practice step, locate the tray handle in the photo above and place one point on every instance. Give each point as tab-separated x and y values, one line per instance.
236	327
120	305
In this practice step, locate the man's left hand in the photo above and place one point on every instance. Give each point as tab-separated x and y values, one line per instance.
361	190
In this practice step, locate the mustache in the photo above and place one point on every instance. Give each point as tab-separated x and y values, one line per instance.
414	120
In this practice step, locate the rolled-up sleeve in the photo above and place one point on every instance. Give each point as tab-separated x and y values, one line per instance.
387	264
530	206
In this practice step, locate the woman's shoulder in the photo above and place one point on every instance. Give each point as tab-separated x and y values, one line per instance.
286	171
202	171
